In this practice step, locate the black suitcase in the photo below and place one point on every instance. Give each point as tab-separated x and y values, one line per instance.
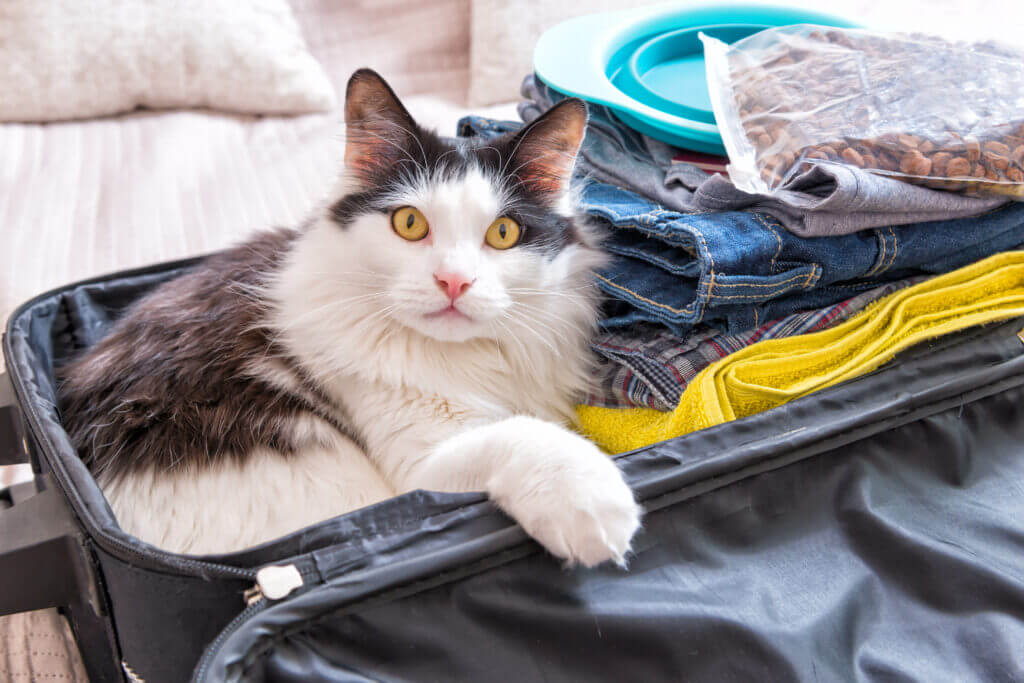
873	531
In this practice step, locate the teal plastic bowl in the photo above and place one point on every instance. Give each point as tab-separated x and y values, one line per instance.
648	64
662	71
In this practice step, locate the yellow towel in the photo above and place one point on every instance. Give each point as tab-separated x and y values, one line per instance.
776	371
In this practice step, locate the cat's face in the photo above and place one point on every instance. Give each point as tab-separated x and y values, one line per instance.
461	240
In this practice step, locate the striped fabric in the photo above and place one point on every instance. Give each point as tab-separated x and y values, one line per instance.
648	366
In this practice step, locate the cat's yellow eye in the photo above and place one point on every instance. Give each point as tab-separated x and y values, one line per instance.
409	223
503	233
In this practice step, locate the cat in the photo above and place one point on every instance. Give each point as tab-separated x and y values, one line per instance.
427	329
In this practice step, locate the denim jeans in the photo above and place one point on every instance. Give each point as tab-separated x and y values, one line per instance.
735	270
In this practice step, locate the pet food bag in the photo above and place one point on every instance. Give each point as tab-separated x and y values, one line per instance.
919	108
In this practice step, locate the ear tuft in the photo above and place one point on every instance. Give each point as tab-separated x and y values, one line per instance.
546	149
378	126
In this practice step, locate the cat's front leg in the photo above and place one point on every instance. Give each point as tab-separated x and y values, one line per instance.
560	487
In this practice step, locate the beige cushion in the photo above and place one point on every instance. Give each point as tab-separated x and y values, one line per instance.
66	59
502	38
419	47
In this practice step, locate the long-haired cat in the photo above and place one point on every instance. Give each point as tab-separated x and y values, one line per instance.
427	330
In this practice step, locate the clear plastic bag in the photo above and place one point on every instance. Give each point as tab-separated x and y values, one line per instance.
919	108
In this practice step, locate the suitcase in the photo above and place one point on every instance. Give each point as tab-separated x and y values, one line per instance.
872	531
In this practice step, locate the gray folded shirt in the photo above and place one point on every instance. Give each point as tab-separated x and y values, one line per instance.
829	199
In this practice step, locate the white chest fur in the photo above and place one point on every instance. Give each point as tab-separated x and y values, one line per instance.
237	505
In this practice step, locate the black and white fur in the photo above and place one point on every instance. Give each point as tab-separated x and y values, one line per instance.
307	373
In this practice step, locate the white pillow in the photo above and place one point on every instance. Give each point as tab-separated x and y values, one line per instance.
63	59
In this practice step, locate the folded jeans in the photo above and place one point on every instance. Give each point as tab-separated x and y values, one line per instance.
736	270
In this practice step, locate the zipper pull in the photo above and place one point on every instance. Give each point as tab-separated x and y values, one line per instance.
273	583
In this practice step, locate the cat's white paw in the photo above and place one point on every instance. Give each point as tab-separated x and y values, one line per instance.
571	498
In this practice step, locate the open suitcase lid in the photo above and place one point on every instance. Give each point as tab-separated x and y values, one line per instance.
872	529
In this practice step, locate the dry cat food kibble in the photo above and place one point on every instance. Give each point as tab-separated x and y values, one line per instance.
919	108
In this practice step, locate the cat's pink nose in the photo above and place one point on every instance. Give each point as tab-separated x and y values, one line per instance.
453	284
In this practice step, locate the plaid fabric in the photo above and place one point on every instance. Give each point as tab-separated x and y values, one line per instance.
648	366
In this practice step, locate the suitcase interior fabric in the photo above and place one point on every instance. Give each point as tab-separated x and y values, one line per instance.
873	531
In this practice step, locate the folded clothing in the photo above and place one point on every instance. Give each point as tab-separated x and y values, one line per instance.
825	201
648	366
771	373
830	199
734	270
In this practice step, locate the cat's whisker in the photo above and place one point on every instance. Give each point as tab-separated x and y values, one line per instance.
388	334
540	294
536	333
292	322
584	287
380	313
283	328
550	315
527	327
334	273
524	355
493	149
503	329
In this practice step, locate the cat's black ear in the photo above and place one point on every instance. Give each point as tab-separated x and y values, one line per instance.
378	128
545	150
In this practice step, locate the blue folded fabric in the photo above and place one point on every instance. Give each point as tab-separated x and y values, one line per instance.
735	270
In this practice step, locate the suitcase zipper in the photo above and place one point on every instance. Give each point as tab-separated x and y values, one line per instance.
274	583
256	606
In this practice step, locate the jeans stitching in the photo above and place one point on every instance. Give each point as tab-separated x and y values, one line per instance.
711	257
728	297
881	257
895	248
778	249
814	273
791	278
684	311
